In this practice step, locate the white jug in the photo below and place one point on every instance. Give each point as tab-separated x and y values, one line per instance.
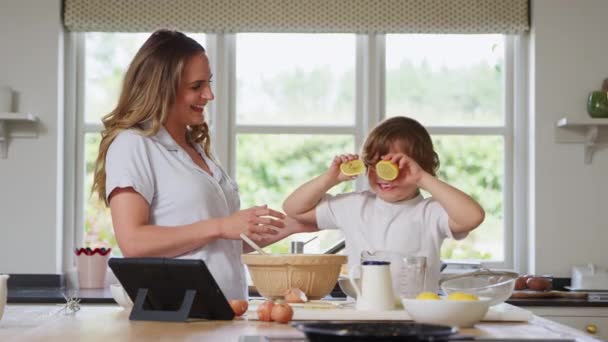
3	292
376	292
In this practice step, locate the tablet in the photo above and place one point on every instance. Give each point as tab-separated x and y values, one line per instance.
173	290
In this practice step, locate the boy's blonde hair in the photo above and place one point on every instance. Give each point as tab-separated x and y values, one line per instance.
411	137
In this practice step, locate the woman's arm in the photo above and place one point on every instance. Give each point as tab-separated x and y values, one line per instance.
292	226
137	238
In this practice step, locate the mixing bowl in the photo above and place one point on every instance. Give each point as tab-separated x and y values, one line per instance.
314	274
496	285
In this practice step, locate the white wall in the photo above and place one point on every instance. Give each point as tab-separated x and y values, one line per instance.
31	62
569	201
570	54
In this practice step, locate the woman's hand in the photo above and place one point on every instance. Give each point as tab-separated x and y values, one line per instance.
334	172
256	222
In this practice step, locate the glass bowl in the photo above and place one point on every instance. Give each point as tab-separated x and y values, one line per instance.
496	285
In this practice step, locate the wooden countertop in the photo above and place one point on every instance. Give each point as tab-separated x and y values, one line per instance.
46	322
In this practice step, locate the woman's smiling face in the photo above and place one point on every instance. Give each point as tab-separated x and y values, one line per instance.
193	92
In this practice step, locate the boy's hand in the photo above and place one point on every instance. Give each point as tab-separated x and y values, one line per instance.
409	170
334	169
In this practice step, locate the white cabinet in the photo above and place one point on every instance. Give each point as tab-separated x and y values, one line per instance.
593	320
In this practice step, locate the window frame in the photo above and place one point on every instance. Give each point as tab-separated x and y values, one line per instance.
369	109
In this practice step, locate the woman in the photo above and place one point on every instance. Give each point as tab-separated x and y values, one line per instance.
168	196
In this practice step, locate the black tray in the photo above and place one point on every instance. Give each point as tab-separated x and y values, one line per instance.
375	331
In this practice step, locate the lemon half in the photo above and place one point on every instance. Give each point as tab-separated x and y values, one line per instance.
387	170
428	295
353	167
462	296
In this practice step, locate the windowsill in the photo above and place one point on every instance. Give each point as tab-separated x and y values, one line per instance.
56	295
50	295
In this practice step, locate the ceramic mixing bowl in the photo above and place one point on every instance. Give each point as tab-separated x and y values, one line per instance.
314	274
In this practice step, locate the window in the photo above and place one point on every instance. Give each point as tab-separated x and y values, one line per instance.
295	111
296	100
455	86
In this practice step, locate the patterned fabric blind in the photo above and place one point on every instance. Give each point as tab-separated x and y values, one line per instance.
326	16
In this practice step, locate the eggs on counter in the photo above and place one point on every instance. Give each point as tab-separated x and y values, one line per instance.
529	282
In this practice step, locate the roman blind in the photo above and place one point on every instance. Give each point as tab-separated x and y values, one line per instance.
306	16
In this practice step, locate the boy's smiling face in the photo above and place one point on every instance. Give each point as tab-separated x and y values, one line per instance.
391	191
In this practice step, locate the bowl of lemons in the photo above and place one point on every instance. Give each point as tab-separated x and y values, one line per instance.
457	309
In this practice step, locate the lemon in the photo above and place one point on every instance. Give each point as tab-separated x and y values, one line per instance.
428	295
353	167
462	296
387	170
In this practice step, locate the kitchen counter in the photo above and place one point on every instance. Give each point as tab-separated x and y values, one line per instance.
562	302
46	322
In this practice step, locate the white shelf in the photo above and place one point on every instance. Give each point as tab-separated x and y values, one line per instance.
587	131
4	133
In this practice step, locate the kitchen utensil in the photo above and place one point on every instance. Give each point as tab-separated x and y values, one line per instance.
297	247
252	244
460	313
3	292
589	277
411	275
408	273
497	285
376	290
346	286
377	331
274	274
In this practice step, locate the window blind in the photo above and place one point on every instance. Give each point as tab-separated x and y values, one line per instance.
306	16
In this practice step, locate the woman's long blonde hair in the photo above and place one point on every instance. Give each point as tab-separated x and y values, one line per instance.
149	89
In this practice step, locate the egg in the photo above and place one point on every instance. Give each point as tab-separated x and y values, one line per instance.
520	283
295	295
539	284
264	311
282	313
238	306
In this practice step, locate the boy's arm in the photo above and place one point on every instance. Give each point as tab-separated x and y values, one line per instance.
464	213
302	202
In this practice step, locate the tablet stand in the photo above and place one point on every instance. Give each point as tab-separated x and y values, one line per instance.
139	313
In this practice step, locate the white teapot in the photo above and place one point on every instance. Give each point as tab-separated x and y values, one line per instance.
3	292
